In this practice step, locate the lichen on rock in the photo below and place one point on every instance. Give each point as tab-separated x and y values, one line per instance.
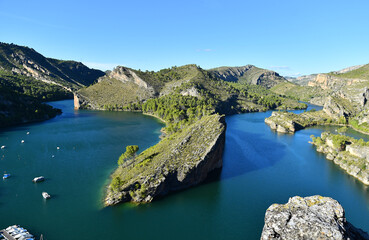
314	217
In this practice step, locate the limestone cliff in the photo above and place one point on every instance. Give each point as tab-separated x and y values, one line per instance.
177	162
314	217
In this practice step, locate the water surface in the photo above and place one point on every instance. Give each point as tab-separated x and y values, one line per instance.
261	167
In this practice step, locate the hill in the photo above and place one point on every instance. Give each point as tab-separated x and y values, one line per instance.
128	89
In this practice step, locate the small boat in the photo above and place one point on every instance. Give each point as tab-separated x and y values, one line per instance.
3	146
58	148
27	133
22	141
38	179
6	175
46	195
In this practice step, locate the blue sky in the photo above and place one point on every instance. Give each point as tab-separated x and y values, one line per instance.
290	37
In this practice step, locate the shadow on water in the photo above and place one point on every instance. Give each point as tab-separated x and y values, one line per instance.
242	155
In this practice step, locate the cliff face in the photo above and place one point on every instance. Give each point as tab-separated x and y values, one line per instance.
177	162
314	217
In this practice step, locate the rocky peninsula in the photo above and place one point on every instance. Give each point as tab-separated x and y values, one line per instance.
314	217
350	154
179	161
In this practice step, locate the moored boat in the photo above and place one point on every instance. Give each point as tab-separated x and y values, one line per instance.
6	175
3	146
38	179
46	195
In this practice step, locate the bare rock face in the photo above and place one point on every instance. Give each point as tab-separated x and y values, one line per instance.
314	217
335	108
126	75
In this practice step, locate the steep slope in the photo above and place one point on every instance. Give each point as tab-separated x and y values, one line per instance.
24	61
248	74
17	108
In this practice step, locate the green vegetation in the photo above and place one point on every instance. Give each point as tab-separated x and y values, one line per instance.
128	154
186	93
33	88
17	108
301	93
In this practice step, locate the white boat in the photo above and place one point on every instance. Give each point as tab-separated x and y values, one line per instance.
38	179
6	175
27	133
46	195
58	148
3	146
22	141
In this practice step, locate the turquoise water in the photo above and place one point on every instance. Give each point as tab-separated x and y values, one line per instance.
261	167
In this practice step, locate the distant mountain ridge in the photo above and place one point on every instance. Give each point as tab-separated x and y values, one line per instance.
248	74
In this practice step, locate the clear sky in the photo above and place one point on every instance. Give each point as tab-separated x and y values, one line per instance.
290	37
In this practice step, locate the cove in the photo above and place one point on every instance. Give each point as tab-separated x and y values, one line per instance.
260	167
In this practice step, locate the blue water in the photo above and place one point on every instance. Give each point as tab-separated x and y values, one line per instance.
260	167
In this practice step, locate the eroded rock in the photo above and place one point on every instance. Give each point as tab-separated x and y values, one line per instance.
314	217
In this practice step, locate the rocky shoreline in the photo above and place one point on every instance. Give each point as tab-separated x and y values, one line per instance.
350	154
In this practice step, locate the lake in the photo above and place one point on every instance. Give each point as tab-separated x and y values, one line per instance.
260	168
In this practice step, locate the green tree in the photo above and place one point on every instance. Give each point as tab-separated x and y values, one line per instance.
130	153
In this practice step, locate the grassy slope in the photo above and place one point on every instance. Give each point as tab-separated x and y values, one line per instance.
302	93
360	73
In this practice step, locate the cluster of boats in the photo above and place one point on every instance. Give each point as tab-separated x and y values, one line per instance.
35	180
16	232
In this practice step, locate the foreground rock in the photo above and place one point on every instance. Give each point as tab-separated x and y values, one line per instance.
350	154
314	217
177	162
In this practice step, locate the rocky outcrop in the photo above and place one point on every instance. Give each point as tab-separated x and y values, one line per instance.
191	92
337	106
127	75
282	122
177	162
350	154
314	217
